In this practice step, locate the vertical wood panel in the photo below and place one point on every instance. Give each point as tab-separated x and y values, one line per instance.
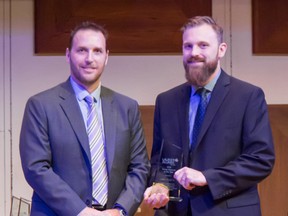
273	190
147	114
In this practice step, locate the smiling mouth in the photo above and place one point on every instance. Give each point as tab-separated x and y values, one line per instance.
194	62
89	68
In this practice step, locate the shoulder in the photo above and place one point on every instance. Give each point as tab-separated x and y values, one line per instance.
183	89
53	94
116	97
243	87
237	85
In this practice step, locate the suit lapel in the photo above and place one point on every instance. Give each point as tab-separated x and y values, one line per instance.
183	120
109	118
72	111
219	92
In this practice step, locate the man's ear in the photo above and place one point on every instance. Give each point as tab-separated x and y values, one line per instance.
67	55
107	55
222	50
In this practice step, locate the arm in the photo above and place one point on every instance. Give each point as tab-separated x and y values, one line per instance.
256	160
250	156
138	167
37	161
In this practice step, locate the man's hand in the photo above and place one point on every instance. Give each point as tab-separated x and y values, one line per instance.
190	178
93	212
111	212
156	196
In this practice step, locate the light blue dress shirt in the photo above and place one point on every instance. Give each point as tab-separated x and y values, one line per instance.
80	94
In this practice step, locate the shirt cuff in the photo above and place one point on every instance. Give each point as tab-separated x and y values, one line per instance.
120	207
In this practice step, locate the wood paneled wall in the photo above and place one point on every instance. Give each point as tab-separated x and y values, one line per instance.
273	190
131	24
270	19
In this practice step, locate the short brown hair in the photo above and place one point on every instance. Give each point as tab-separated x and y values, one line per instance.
85	26
200	20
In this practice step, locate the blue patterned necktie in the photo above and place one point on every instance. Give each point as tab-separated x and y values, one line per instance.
199	116
97	150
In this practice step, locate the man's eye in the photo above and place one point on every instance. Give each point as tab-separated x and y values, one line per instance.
188	46
81	50
203	46
98	51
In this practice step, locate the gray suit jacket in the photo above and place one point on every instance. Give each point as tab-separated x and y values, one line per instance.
55	153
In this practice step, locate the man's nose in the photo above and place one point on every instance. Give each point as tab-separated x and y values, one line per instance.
89	57
195	51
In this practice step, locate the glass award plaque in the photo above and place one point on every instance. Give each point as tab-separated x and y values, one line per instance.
170	160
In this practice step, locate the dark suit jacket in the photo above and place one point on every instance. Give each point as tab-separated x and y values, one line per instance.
55	152
234	150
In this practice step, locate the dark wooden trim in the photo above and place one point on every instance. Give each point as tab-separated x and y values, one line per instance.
135	27
270	27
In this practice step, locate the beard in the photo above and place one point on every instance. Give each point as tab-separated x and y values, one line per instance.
199	75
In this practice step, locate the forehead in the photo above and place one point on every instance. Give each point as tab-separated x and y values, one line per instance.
203	32
88	37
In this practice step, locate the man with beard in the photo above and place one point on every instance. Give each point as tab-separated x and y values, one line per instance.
82	145
228	152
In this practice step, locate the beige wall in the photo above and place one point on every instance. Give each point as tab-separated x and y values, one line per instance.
5	126
141	77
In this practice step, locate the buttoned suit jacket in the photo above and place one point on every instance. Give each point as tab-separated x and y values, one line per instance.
55	155
234	149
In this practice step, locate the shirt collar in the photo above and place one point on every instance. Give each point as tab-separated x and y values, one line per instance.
209	86
81	92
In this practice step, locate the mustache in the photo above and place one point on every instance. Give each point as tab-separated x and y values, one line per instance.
195	59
